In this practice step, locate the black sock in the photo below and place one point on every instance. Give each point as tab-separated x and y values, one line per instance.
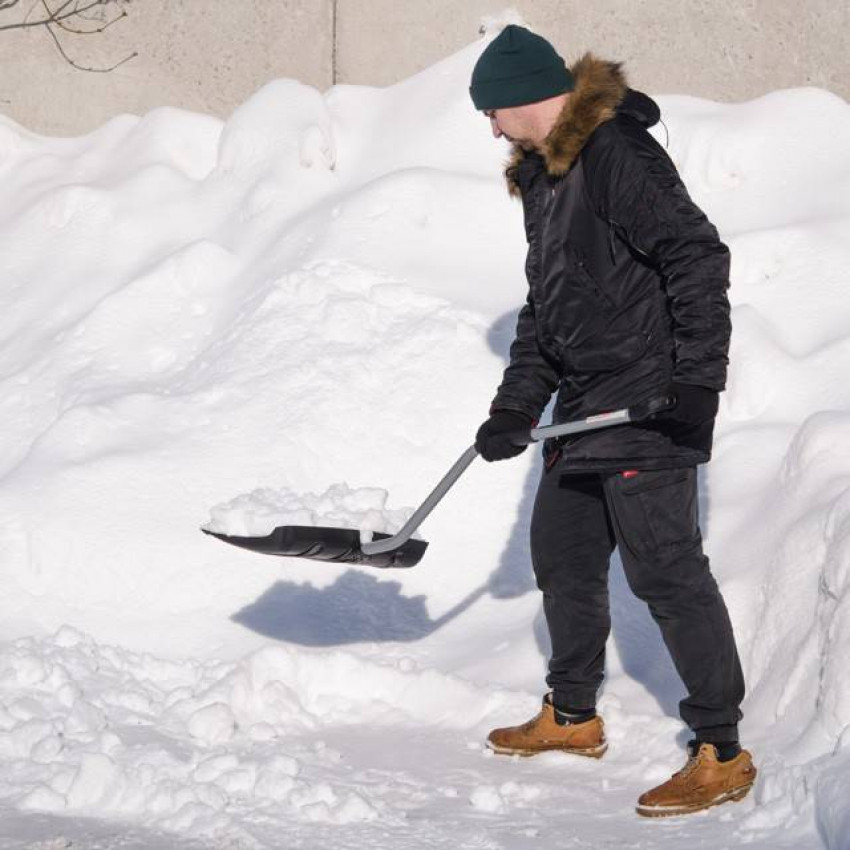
565	713
726	750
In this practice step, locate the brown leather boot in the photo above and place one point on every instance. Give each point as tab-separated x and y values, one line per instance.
703	782
543	733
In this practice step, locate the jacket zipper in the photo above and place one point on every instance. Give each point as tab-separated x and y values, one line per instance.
612	224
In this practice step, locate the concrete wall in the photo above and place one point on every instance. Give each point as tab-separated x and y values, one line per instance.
720	49
209	55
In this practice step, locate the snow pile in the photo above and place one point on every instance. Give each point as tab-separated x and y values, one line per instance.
83	749
258	513
96	730
320	290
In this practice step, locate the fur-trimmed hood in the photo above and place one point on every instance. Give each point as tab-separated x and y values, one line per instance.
600	91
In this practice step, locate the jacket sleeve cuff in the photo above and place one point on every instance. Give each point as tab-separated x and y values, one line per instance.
496	408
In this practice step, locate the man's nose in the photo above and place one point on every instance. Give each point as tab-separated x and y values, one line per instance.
494	126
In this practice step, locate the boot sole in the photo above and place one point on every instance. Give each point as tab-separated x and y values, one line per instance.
588	752
670	811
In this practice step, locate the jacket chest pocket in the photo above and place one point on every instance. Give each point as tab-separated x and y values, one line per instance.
584	274
575	306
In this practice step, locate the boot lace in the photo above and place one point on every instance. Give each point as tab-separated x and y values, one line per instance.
691	765
530	724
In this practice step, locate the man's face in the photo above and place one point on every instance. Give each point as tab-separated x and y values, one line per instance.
514	123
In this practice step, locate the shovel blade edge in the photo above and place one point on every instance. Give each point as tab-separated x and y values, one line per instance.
319	543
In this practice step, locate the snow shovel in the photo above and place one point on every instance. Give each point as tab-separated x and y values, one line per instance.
343	546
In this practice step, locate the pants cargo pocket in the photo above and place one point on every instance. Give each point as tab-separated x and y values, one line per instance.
656	510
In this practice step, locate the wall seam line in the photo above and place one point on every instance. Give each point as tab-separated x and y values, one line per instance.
334	12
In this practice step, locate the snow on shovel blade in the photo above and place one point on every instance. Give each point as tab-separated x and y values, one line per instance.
337	545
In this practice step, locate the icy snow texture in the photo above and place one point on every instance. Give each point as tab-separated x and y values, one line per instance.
322	289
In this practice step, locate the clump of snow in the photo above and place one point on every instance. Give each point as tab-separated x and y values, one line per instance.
492	25
486	798
258	513
508	795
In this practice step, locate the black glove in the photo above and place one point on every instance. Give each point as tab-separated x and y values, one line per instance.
493	440
694	405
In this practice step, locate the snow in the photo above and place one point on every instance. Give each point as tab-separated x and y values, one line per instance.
258	513
310	304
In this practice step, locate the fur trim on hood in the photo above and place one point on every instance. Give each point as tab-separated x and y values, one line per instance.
600	88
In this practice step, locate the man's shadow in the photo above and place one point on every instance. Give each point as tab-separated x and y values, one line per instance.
357	607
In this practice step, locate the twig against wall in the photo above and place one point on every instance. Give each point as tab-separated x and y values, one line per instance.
71	17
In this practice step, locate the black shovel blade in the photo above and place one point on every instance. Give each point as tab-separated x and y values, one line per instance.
337	545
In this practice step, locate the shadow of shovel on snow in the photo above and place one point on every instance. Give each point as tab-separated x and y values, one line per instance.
356	608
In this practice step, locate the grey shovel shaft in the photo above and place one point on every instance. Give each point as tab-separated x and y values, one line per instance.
534	435
635	413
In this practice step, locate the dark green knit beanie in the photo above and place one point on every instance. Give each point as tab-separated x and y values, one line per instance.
518	67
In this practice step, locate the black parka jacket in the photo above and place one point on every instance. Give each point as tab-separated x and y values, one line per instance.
627	280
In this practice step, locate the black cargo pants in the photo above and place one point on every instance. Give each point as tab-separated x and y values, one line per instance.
652	516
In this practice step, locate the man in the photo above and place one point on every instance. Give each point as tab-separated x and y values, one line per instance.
626	302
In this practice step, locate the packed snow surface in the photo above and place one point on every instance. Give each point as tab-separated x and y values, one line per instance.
319	290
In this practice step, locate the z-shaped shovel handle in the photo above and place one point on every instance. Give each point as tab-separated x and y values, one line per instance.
646	410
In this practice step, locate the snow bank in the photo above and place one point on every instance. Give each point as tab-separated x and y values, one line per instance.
90	729
319	290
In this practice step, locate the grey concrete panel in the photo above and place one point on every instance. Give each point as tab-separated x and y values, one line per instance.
210	55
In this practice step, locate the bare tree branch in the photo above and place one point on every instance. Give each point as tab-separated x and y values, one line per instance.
56	16
100	29
73	64
60	18
62	8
